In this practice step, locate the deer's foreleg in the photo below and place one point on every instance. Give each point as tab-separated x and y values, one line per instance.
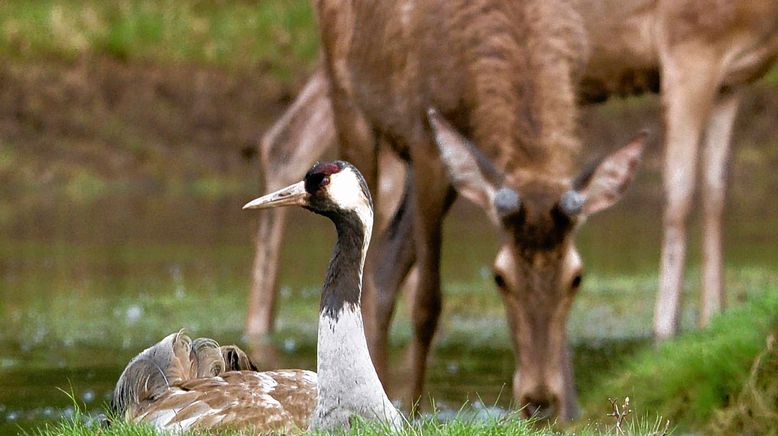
432	197
714	168
293	143
689	85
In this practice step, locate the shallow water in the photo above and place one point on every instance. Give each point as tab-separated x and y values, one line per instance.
83	287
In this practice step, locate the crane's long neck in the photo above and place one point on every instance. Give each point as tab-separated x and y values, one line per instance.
343	281
348	383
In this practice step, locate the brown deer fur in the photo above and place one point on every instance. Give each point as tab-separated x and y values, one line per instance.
505	73
703	51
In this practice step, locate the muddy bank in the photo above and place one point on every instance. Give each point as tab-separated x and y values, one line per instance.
92	126
98	121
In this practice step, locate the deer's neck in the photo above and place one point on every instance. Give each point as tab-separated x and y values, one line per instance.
348	383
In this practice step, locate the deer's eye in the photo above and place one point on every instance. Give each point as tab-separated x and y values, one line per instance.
576	283
499	280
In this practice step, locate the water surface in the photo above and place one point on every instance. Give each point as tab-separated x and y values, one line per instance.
85	286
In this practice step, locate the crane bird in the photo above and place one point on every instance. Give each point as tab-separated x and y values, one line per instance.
179	384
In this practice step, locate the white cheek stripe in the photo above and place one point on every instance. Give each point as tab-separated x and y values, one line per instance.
345	191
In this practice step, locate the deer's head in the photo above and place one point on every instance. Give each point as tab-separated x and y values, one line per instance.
537	270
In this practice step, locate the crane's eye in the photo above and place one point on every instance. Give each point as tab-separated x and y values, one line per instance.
319	175
316	181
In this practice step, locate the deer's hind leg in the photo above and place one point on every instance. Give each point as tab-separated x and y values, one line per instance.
718	136
690	82
300	137
396	257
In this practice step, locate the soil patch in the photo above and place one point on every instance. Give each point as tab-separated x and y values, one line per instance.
118	122
97	124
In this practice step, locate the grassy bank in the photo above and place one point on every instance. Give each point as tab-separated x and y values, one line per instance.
703	374
505	425
79	78
432	427
279	34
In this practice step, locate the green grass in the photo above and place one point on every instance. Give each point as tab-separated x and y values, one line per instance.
463	424
497	427
688	379
79	428
510	426
753	410
83	424
279	33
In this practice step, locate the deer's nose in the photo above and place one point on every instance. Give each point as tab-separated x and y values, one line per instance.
538	407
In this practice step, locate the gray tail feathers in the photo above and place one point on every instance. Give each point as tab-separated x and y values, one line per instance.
236	359
173	360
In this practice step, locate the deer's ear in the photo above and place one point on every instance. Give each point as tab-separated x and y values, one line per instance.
471	173
603	184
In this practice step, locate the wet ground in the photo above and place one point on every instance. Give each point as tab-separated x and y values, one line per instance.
86	287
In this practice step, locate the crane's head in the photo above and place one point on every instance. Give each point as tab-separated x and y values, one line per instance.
334	189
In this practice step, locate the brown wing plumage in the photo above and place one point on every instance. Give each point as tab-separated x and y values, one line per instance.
179	384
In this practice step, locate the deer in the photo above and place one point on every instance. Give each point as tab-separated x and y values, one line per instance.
479	98
635	46
699	55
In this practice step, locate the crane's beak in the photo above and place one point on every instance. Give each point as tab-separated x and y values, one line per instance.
293	195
